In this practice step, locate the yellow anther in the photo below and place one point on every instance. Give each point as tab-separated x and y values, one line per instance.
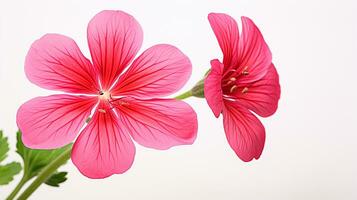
123	103
101	110
234	87
245	90
245	71
233	79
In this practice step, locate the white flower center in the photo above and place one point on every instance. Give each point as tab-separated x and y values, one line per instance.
104	95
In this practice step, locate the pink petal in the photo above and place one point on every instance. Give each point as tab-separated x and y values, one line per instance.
263	95
226	30
55	62
254	54
103	148
213	89
114	38
53	121
158	123
244	131
160	70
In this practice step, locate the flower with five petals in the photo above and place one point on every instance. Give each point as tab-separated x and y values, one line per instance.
124	103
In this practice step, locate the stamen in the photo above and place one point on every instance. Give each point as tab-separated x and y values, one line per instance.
245	90
231	80
234	87
119	102
101	110
123	103
228	82
245	71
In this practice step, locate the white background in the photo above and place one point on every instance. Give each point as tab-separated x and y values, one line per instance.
310	150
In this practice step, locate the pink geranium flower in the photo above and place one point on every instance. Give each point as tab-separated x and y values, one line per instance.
246	81
126	104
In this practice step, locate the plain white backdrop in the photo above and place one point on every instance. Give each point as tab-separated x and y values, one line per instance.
311	144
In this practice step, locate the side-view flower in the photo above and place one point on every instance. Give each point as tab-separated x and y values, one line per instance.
245	82
120	103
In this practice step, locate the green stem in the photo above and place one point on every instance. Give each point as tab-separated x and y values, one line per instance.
184	95
46	173
17	188
55	164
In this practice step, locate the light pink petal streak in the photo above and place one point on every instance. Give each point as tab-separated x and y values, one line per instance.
263	95
114	38
160	70
103	148
55	62
227	34
53	121
213	89
158	123
254	53
244	131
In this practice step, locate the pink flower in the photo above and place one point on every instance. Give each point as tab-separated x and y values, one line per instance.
126	102
246	81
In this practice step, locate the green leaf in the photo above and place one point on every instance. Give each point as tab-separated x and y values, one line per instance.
35	159
56	179
4	147
8	171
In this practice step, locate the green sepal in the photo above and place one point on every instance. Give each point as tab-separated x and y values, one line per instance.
198	89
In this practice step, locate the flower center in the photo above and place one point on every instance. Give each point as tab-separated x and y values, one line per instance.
230	82
104	95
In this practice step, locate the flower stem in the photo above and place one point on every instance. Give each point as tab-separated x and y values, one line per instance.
17	188
184	95
46	173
